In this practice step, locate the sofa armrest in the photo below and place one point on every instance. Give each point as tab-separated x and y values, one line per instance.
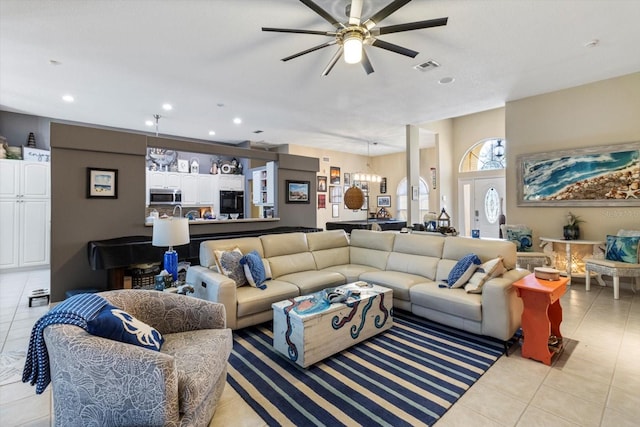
501	306
213	286
169	312
94	378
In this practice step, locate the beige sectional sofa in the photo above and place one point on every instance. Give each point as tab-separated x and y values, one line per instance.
412	265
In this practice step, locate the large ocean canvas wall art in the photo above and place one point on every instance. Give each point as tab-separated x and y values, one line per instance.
607	175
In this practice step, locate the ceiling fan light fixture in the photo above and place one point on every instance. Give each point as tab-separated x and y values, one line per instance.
352	43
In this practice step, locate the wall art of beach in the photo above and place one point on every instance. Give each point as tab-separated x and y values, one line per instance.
614	175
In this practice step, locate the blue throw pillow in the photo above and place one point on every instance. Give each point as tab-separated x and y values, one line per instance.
254	269
463	270
622	248
522	237
116	324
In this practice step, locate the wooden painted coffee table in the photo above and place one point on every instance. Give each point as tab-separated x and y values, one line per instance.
307	329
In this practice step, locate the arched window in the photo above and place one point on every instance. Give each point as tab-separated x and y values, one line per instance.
485	155
401	198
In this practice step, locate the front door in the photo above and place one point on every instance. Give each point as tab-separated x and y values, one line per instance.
487	205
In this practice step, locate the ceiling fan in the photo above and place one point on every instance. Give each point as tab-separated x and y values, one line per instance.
354	34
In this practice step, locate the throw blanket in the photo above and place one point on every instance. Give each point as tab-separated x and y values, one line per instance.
76	310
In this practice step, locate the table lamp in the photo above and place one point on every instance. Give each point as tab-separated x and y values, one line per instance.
171	232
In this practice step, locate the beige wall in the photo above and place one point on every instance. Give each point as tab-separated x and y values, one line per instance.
601	113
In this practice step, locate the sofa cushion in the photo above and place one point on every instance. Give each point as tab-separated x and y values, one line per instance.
284	244
329	257
622	248
398	281
372	240
291	263
455	302
116	324
201	358
462	271
252	300
352	272
314	280
457	247
327	240
245	244
419	244
425	266
229	265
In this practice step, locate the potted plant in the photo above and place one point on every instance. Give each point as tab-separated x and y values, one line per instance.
571	231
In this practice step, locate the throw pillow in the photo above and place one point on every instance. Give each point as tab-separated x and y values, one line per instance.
229	264
522	237
115	324
254	269
487	271
463	270
622	248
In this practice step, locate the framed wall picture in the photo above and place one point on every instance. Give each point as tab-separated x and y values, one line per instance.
594	176
335	194
102	183
384	201
346	178
365	204
383	186
322	201
322	184
35	154
334	175
297	191
335	211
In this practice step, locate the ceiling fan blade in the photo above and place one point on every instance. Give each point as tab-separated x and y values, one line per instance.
384	12
394	48
313	49
333	62
320	11
355	13
296	31
366	64
410	26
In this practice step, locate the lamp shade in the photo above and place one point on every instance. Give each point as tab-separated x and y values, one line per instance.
354	198
170	232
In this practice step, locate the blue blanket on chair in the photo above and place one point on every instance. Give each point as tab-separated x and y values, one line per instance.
76	310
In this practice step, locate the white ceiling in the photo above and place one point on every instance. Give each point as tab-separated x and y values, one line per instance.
122	60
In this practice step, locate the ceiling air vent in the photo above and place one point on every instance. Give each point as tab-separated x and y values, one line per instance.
426	66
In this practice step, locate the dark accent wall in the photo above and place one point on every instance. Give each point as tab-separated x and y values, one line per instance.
76	220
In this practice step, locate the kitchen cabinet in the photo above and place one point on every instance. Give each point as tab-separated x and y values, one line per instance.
197	189
224	182
25	213
263	185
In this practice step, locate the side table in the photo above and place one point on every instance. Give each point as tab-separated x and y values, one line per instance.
541	316
568	255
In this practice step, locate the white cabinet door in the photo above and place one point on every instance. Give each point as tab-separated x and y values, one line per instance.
270	184
34	180
155	180
263	186
10	233
189	187
257	188
231	182
9	178
205	189
34	233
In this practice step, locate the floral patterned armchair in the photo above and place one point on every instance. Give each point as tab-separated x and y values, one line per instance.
97	381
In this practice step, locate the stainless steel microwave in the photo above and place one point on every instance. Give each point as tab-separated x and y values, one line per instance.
165	196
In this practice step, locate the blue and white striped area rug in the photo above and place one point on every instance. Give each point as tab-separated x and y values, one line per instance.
407	376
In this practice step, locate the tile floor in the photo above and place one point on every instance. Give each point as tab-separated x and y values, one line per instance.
594	382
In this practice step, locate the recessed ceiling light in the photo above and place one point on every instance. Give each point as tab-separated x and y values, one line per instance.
237	120
167	107
446	80
67	98
149	123
54	62
212	132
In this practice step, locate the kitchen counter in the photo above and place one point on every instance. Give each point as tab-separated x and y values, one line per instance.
222	221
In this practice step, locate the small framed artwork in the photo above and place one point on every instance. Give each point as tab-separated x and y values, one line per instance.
347	178
335	211
102	183
365	204
35	154
384	201
334	175
434	181
335	194
322	184
383	186
322	201
183	165
364	186
298	191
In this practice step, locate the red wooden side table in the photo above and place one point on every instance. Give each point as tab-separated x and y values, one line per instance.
542	316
